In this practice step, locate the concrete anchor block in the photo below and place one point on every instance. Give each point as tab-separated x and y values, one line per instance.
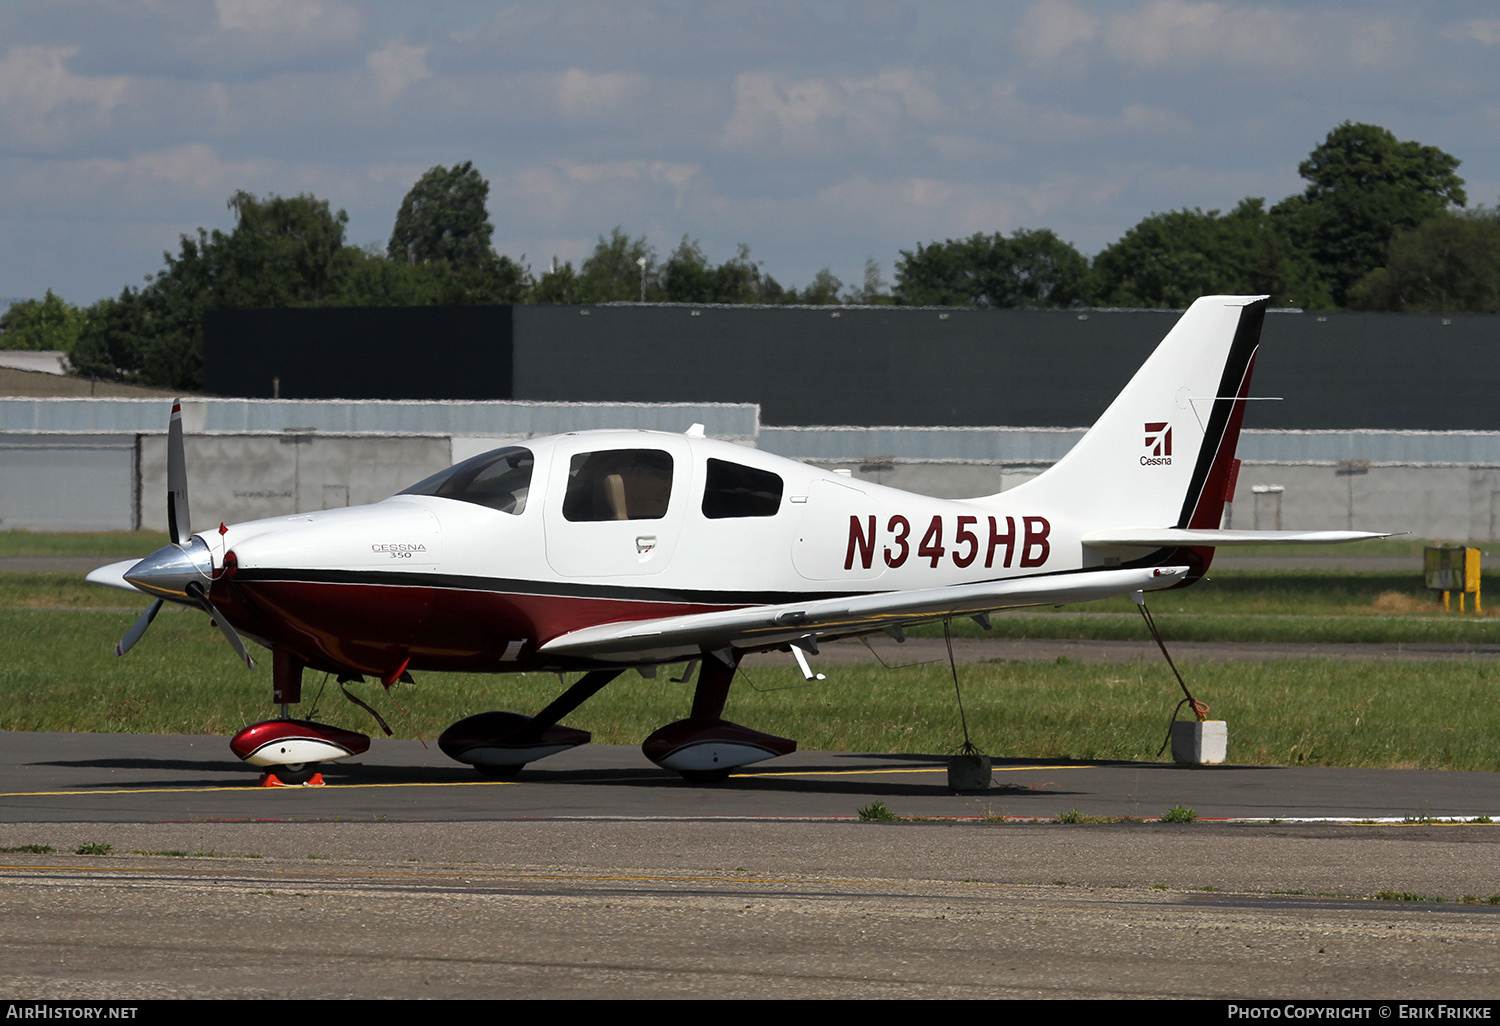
1203	743
969	773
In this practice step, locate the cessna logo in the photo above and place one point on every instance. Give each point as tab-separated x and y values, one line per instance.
1158	444
399	550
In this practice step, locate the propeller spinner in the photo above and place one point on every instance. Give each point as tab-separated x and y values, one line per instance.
178	572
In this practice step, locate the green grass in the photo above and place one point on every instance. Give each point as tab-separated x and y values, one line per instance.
101	543
57	635
1404	545
1371	629
1324	606
20	590
61	675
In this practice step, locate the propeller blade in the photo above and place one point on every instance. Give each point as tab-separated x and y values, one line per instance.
138	628
179	522
230	634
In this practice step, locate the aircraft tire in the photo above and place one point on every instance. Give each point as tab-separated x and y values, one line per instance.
508	772
295	772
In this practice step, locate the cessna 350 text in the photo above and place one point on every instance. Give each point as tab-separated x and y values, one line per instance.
605	551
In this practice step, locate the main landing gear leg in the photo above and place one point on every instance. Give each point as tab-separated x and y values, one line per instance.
290	750
713	687
500	744
583	689
704	748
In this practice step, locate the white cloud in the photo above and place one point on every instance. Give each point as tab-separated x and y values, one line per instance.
1048	30
1173	36
42	102
581	95
678	176
286	17
597	194
1177	32
396	67
182	178
253	37
826	115
1479	30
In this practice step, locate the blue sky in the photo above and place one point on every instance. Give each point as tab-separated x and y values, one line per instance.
819	133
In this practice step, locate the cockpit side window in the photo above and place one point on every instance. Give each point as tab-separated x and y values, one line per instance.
738	491
498	479
618	484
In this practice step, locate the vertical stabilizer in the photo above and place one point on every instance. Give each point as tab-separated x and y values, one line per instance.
1162	454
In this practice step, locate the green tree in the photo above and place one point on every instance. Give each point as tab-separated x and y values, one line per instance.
873	292
558	285
1169	260
47	323
688	277
612	274
443	217
1446	264
149	336
1029	269
377	281
1364	185
822	291
283	251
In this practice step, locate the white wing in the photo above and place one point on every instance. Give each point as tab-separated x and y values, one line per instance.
1171	537
760	627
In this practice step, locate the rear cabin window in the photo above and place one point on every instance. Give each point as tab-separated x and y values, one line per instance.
737	491
619	484
499	479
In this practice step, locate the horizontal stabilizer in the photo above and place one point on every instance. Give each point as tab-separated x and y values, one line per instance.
1170	537
762	627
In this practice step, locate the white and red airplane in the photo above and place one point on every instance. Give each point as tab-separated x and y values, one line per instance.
603	551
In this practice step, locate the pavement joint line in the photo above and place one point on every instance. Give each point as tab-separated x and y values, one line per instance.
454	875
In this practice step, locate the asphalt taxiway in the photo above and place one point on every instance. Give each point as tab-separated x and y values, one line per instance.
146	778
139	867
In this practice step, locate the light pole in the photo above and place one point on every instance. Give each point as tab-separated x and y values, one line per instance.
641	261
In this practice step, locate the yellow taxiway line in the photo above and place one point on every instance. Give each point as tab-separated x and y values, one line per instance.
251	789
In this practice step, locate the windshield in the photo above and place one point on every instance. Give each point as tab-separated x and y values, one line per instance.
498	479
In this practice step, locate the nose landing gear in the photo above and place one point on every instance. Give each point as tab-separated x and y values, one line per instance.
289	749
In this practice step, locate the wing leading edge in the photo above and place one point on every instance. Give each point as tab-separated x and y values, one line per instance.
761	627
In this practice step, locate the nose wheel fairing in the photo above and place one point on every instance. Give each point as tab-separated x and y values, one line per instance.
273	743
